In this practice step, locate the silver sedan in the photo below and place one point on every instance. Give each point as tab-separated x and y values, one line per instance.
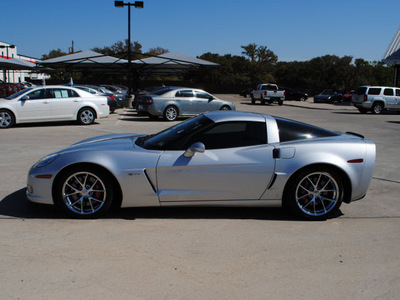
215	159
172	102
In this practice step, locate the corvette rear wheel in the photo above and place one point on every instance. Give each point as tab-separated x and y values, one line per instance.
84	192
315	194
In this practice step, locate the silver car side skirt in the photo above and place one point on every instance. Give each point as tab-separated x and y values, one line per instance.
227	203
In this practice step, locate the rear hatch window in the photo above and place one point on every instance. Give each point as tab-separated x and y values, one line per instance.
360	90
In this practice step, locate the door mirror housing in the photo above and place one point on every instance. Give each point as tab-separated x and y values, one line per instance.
196	147
24	98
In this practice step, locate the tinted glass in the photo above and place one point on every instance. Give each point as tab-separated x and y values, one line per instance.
203	95
185	93
374	91
360	90
397	92
174	138
388	92
231	135
291	131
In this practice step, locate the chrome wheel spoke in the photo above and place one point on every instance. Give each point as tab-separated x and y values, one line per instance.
84	193
317	193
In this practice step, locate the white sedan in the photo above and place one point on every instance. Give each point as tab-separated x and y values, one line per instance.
52	103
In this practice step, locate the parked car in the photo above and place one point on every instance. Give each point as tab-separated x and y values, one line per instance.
172	102
112	103
3	92
376	99
119	94
52	103
328	96
10	88
292	94
246	93
267	92
215	159
347	96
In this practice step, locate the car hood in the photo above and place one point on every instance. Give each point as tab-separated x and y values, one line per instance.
105	142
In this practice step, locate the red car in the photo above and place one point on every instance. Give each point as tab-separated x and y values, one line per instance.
347	96
3	93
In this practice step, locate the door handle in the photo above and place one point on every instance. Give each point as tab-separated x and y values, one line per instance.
46	102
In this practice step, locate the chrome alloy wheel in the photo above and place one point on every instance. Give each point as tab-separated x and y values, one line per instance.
171	113
317	194
5	119
87	116
84	193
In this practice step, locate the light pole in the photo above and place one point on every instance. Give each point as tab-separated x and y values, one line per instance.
137	4
7	47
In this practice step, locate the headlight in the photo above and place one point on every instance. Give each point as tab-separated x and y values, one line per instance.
46	160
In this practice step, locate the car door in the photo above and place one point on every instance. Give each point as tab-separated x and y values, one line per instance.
205	102
397	91
390	98
35	106
236	165
186	101
65	104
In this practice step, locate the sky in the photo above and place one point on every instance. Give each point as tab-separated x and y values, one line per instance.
295	30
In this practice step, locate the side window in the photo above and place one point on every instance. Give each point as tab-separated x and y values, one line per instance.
72	93
231	135
203	95
60	93
38	94
397	92
388	92
184	93
374	91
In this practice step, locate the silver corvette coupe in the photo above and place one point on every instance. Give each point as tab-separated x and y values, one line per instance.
221	158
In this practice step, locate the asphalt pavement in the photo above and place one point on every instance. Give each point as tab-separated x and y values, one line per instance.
200	253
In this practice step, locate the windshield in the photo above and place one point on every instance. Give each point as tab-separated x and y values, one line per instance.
16	95
174	137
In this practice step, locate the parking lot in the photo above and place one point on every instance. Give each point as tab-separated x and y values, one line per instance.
218	253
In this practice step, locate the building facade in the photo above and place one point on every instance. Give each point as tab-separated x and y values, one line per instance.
8	51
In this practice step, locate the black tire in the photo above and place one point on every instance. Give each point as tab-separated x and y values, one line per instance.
362	110
314	194
7	118
86	116
253	100
171	113
83	192
280	102
225	107
262	100
377	108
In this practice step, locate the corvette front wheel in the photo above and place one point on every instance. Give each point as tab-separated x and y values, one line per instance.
314	194
83	192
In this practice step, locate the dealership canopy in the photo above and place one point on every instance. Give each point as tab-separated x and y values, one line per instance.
165	64
16	64
392	55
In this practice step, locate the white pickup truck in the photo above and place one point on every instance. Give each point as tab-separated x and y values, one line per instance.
267	92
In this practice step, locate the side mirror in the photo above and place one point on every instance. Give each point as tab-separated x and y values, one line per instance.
211	98
24	98
196	147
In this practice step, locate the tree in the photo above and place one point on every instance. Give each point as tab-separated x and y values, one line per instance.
157	51
262	62
53	54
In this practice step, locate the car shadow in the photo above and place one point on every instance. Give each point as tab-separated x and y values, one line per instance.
16	205
50	124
